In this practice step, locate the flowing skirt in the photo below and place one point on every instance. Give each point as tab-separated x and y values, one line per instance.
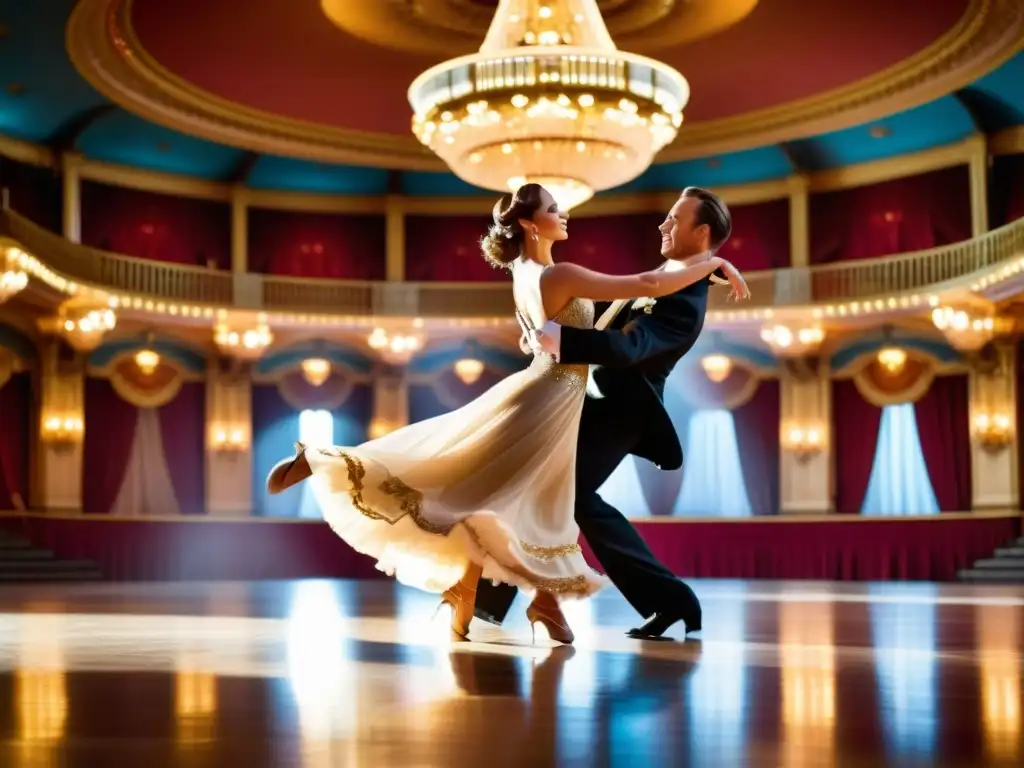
492	483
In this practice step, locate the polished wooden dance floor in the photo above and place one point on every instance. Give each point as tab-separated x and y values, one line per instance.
319	673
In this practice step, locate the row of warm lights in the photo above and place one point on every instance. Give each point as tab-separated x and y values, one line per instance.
999	275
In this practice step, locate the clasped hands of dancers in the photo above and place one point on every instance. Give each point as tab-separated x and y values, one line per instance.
492	497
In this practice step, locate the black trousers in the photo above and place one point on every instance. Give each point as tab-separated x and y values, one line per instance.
608	432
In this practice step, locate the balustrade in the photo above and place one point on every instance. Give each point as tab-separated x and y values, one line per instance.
851	281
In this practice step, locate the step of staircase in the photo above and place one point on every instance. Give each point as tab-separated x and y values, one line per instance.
999	564
992	576
20	562
1016	551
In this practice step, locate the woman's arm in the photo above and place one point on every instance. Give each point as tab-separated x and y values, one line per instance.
563	282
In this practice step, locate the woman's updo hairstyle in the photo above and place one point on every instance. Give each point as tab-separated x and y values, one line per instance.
504	240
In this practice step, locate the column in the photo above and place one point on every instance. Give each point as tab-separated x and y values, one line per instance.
394	216
72	187
390	400
805	434
239	230
228	442
794	286
978	167
61	431
993	398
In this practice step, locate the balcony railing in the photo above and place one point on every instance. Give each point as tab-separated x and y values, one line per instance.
820	285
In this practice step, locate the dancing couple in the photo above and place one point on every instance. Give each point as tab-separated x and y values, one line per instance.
499	490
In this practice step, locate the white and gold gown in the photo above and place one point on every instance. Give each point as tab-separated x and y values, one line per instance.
492	482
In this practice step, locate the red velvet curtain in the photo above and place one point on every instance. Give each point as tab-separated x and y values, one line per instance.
324	245
615	245
181	230
447	249
109	435
760	236
183	431
891	217
943	425
17	407
855	424
757	434
1006	197
34	192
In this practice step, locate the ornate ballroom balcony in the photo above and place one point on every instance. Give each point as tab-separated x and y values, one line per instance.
877	287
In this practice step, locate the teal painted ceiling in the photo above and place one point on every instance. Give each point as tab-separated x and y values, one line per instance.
44	100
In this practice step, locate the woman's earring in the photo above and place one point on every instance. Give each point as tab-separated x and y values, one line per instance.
536	237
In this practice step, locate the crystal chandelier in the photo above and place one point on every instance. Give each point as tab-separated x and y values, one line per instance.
395	348
469	370
548	99
962	329
84	327
316	370
147	361
788	343
716	367
12	282
248	344
892	359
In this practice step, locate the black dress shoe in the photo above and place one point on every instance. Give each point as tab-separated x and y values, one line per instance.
658	624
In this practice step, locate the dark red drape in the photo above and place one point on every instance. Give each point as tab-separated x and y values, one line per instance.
183	431
757	435
760	236
909	214
943	425
34	192
855	424
109	435
615	245
16	411
447	249
325	245
1006	190
181	230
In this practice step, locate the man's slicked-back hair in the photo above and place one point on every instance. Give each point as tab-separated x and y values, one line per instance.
713	212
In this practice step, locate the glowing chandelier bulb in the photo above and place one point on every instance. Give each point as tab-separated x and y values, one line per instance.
892	359
469	370
548	99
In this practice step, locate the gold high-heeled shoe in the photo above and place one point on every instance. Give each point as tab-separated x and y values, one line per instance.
547	612
461	597
288	472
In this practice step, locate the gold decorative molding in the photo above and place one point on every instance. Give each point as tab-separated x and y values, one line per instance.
1008	142
106	52
456	27
989	33
27	152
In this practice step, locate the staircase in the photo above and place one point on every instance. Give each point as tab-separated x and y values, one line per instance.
1005	567
22	563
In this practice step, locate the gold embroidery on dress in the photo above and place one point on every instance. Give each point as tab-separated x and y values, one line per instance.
549	553
411	502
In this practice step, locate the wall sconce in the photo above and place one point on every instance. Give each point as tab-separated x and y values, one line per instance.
786	342
226	439
247	344
804	442
62	432
994	431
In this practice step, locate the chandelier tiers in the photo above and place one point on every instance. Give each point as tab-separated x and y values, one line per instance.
548	99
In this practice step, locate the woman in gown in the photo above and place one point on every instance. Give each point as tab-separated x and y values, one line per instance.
488	490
